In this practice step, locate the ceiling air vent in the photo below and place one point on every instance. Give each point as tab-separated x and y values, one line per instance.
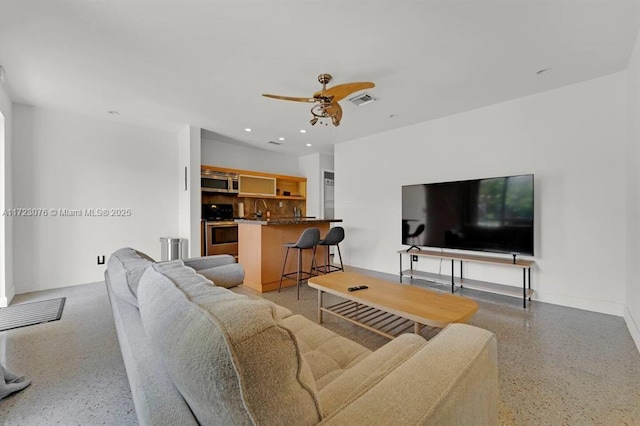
274	143
362	99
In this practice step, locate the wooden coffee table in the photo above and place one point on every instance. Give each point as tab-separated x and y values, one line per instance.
389	308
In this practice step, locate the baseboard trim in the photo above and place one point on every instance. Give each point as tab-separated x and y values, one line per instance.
632	326
5	301
609	308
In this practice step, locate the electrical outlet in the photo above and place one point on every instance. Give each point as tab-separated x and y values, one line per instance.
280	204
414	258
101	260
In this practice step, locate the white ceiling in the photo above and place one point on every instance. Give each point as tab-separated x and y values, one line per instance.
169	64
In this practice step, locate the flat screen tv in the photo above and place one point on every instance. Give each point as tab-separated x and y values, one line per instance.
492	215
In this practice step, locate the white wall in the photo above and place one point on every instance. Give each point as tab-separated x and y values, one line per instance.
7	289
311	167
222	154
64	160
632	311
573	139
189	199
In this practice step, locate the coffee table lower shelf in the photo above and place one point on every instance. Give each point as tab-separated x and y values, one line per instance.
381	322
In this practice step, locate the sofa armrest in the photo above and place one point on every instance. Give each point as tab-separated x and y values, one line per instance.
226	276
208	262
451	380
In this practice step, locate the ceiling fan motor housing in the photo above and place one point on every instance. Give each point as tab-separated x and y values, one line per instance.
324	79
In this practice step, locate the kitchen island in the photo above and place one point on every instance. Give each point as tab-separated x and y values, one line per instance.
261	249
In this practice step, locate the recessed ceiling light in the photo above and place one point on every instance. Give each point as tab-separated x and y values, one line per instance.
543	71
303	131
308	144
114	112
247	129
281	139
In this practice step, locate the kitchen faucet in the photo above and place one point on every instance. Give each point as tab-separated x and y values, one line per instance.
255	207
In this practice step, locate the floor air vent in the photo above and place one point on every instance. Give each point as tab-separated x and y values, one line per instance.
362	99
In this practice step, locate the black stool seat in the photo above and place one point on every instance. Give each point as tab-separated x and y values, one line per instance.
333	238
308	241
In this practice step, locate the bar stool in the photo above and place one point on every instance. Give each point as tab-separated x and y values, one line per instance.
308	240
333	238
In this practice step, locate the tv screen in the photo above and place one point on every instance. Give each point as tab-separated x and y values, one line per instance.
493	215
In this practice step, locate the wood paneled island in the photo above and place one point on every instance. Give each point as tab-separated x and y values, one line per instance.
261	249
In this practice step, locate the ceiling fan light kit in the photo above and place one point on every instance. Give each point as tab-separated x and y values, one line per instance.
326	100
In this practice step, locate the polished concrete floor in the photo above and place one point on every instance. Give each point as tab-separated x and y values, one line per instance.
74	364
557	365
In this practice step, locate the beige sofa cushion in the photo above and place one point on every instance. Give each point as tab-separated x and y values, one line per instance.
228	356
452	380
327	354
368	372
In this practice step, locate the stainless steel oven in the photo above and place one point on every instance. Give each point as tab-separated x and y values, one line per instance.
220	231
221	237
218	182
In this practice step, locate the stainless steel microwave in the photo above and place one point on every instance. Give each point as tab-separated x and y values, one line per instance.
219	182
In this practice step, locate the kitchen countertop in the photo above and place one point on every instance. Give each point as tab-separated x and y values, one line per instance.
285	221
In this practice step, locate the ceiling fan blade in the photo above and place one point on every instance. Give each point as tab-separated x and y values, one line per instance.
335	111
341	91
289	98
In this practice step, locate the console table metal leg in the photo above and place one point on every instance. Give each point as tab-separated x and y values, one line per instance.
453	283
529	282
320	292
411	266
400	267
524	288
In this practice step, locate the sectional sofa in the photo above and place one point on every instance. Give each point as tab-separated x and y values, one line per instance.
198	353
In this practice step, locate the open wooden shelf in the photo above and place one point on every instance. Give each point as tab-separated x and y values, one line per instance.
383	323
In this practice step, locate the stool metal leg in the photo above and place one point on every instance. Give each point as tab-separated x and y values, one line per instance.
327	268
340	256
298	272
313	262
284	265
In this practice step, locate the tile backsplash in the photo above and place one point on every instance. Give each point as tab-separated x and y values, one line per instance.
250	202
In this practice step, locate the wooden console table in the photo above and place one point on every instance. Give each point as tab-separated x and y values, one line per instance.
507	290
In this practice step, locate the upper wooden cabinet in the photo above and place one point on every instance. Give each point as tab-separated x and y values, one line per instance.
267	185
256	186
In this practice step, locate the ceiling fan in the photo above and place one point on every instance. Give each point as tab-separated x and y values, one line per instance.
326	100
